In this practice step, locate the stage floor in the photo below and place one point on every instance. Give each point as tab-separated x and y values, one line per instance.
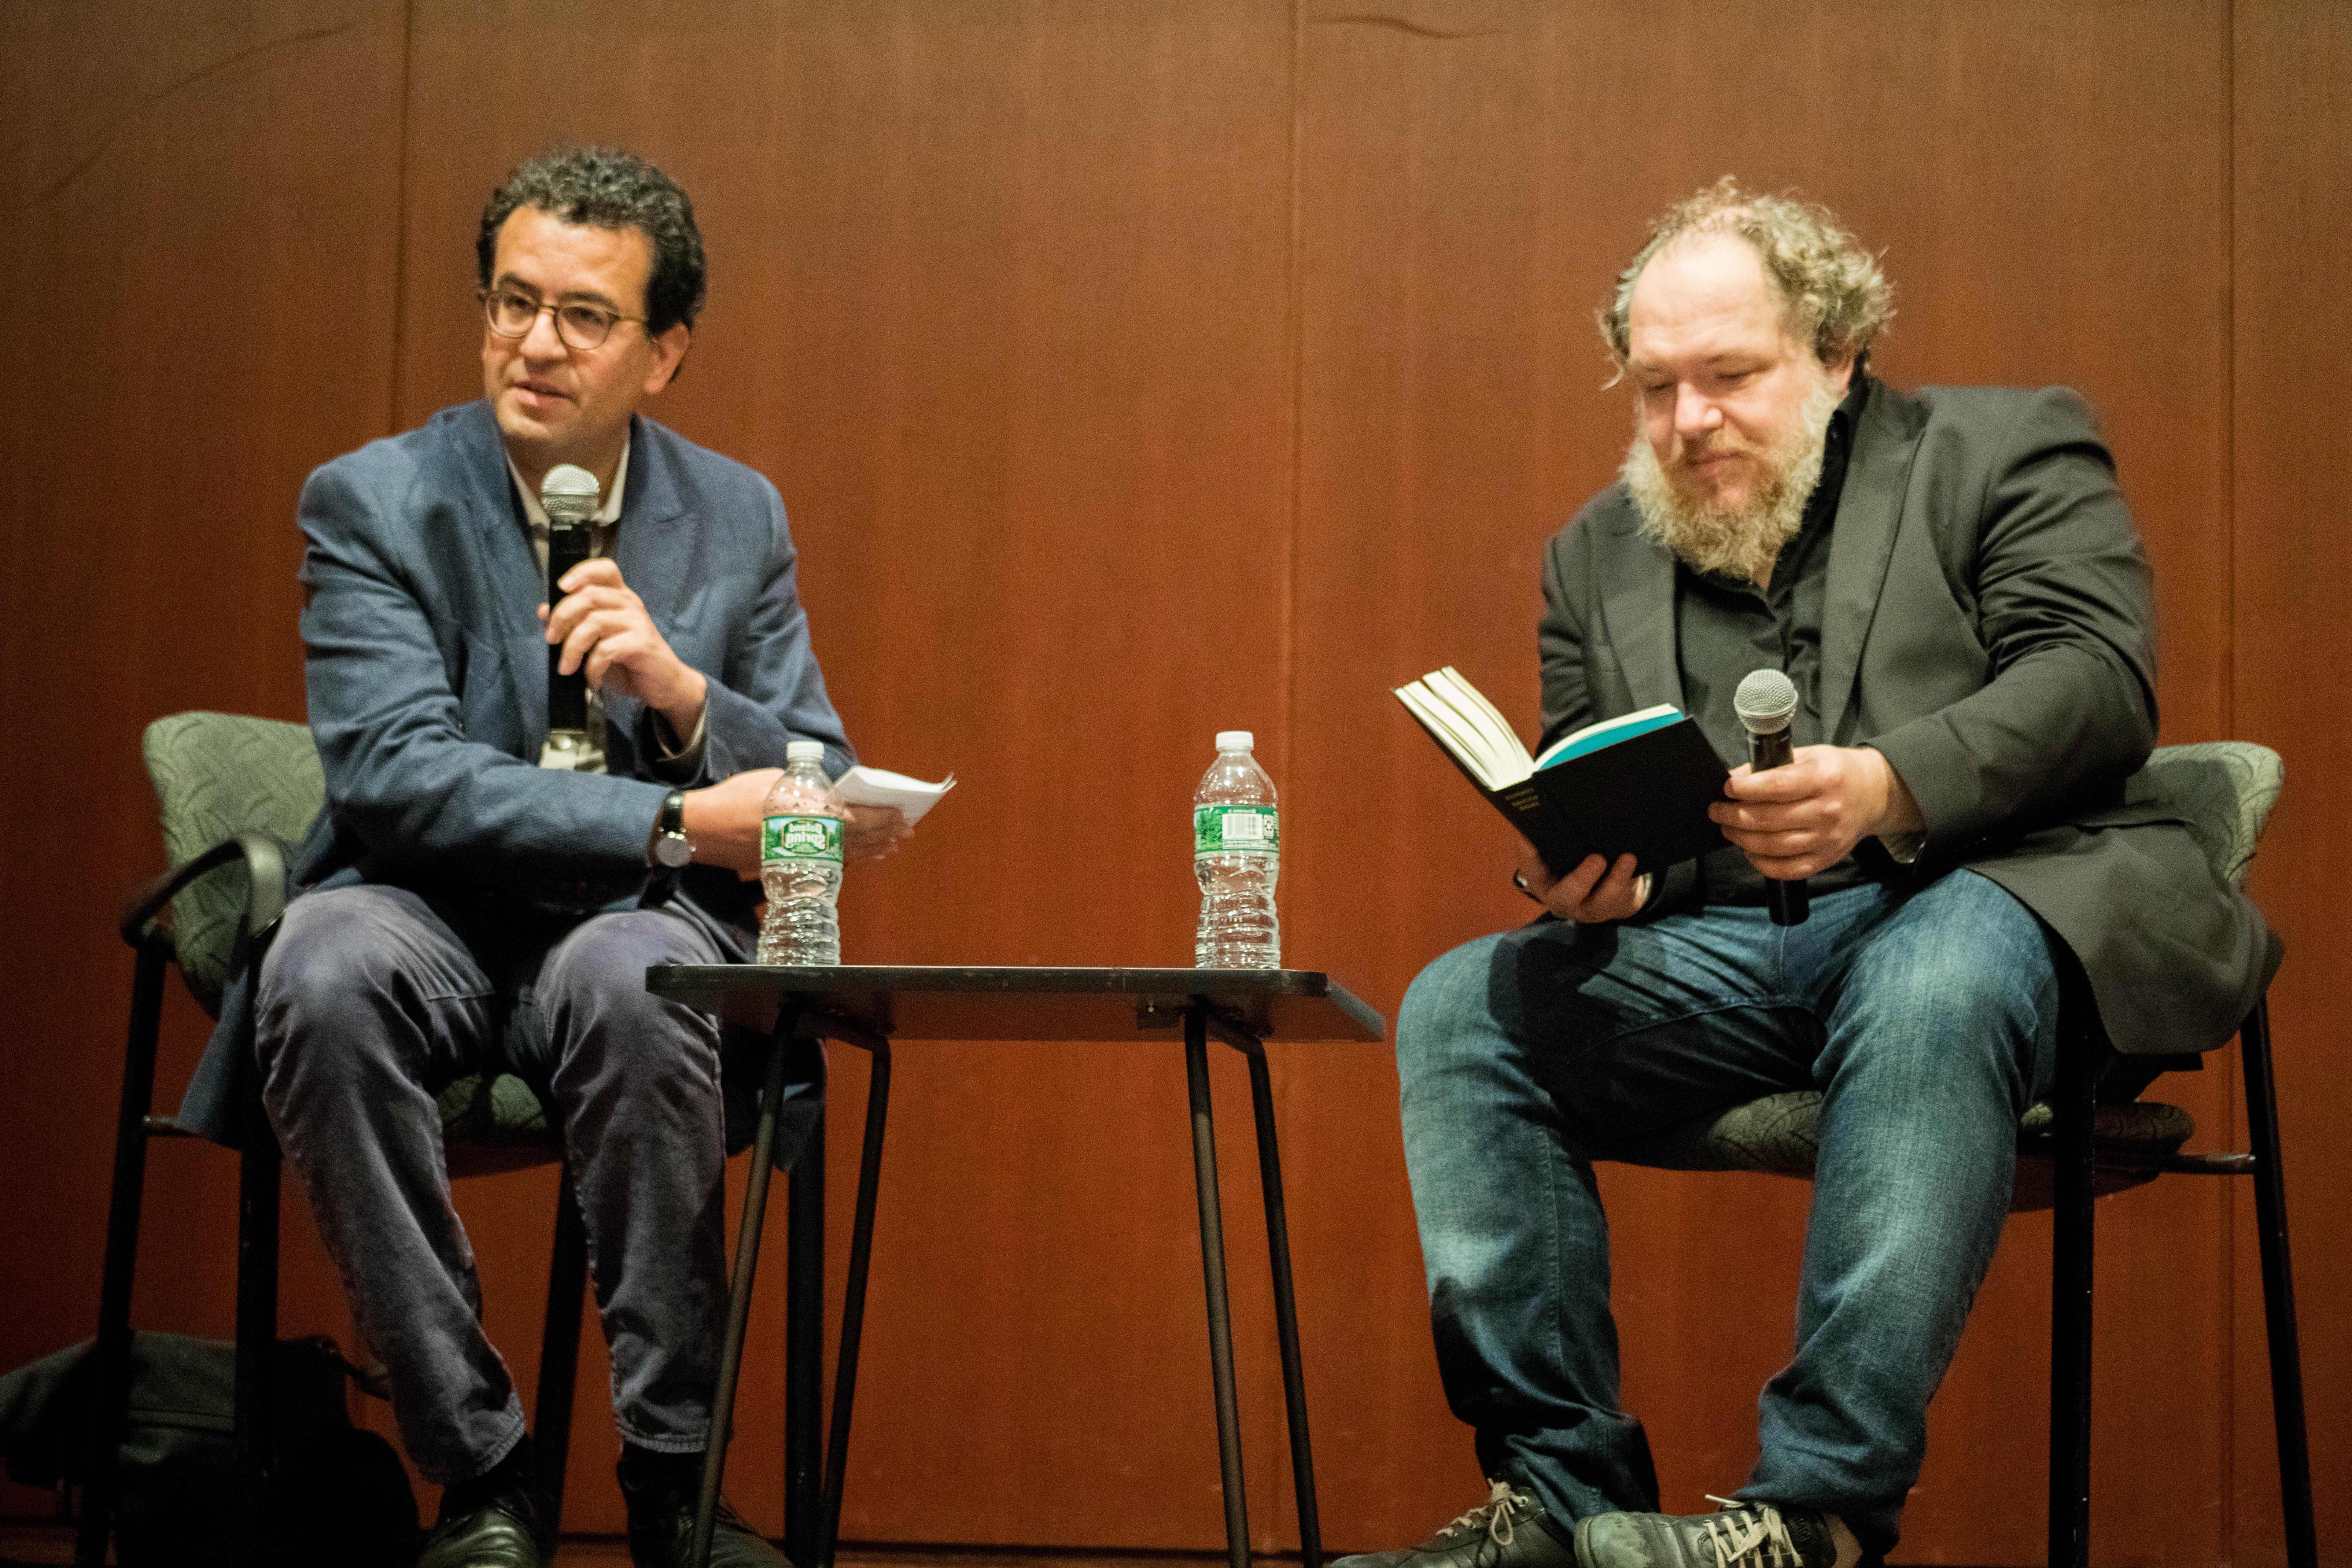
45	1545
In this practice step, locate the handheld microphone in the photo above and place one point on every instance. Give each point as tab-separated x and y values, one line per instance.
1765	703
570	495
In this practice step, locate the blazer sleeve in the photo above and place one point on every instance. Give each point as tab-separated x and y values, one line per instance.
401	774
770	690
2064	609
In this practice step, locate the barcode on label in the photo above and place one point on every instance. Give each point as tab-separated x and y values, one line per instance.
1235	830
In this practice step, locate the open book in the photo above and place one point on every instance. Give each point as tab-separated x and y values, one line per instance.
1639	783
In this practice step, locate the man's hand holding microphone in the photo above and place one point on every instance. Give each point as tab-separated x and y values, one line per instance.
599	634
1793	811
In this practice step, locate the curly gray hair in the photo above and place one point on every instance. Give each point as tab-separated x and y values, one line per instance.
1837	299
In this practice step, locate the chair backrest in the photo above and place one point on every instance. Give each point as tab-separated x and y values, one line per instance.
217	775
2226	790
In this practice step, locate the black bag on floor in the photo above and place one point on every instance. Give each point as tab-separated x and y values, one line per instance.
338	1494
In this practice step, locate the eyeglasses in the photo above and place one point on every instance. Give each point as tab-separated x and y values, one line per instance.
580	324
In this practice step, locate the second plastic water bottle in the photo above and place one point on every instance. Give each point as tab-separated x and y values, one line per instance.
1236	856
800	862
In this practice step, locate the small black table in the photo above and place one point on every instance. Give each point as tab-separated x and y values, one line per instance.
866	1005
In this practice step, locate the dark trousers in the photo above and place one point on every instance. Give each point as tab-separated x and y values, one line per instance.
374	998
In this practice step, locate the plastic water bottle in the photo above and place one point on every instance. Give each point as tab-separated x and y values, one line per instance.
1236	854
800	862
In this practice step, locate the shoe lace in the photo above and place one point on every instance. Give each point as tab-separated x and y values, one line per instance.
1750	1535
1495	1515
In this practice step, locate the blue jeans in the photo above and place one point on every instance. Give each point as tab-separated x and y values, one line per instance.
1927	1020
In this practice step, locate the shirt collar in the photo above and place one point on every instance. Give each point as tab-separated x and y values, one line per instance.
1848	413
1837	448
607	514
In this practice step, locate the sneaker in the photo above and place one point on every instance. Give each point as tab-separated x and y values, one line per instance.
1509	1530
1743	1535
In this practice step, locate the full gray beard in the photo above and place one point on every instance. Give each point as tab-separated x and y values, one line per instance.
1744	540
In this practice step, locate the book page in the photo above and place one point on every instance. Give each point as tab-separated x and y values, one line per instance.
1451	731
1502	742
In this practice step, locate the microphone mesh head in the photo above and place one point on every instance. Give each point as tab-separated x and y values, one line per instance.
570	494
1766	701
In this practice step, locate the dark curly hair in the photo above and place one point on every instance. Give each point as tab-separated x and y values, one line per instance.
610	189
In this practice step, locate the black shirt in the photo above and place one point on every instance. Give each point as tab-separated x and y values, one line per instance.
1727	626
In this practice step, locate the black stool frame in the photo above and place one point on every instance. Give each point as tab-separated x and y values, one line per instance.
2078	1156
813	1498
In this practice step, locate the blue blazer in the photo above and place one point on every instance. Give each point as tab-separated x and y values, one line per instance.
426	670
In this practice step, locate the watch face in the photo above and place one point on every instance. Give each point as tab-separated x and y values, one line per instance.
672	849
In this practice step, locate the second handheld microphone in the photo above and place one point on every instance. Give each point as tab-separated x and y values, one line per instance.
1767	704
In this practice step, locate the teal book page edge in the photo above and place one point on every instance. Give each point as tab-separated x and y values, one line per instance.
1614	737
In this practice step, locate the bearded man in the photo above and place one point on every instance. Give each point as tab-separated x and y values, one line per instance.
1952	582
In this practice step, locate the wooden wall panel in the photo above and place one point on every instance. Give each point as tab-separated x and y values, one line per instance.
997	299
1473	175
1132	371
199	264
2293	227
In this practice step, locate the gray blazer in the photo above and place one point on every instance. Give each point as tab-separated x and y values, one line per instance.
427	679
1988	627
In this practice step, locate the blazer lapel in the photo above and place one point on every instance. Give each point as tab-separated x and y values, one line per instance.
516	583
1638	609
656	558
1869	514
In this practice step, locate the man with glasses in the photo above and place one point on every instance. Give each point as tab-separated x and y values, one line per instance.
473	907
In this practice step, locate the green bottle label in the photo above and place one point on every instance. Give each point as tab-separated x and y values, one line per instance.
800	838
1236	830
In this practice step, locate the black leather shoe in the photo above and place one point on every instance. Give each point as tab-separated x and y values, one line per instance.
1742	1535
492	1522
660	1489
1509	1530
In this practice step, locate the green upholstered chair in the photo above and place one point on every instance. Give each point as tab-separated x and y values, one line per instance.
2093	1138
236	793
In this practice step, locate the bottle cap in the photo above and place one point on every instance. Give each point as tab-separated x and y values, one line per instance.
1234	739
805	751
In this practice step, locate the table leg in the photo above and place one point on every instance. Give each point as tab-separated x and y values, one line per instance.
852	1303
804	1349
1213	1269
739	1299
1285	1307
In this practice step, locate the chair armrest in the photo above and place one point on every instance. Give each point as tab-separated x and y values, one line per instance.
265	900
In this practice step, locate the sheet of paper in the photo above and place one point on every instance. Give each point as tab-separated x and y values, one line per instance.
862	786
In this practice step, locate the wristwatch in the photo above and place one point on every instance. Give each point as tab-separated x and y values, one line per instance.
671	848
